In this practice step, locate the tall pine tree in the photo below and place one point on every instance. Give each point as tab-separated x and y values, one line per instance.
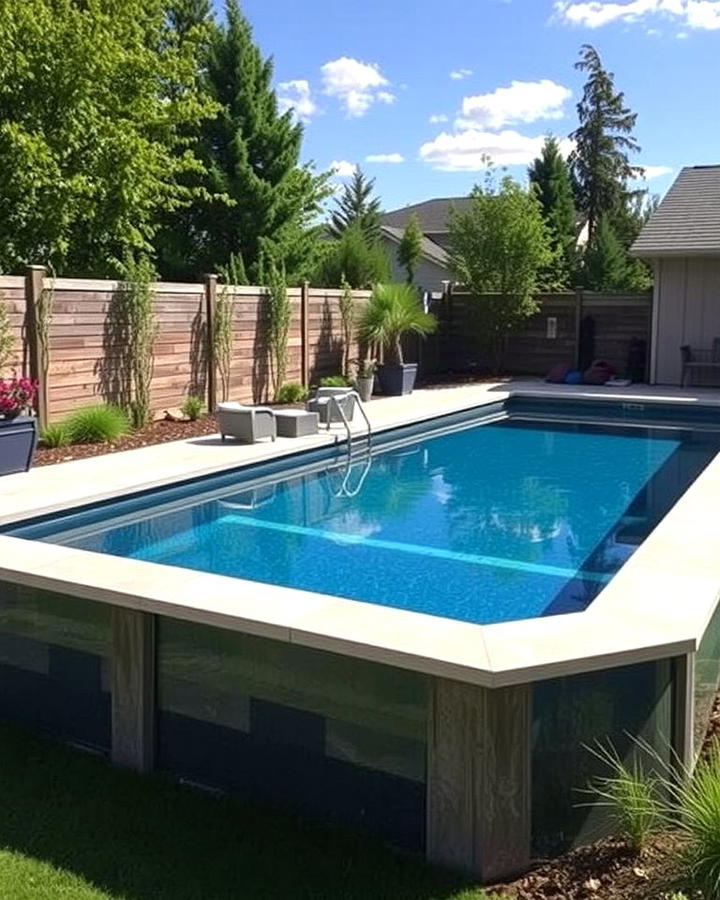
550	175
600	164
606	260
357	206
259	201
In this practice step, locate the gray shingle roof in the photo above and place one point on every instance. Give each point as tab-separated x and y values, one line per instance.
429	249
687	222
432	214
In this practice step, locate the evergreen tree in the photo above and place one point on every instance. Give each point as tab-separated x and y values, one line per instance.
259	201
184	15
410	248
350	259
599	163
356	205
550	176
606	260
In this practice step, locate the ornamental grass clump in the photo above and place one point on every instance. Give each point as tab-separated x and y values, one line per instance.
292	392
56	435
97	424
631	795
698	802
192	406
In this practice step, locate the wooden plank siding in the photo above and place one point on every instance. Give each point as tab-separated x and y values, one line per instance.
88	351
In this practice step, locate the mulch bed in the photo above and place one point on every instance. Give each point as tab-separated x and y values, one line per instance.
157	433
605	870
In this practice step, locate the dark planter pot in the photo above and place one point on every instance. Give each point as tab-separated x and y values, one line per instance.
18	438
396	380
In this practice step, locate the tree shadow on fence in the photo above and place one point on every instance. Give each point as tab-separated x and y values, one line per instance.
328	359
113	369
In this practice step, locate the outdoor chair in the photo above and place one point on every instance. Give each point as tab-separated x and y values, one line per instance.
246	423
694	360
326	400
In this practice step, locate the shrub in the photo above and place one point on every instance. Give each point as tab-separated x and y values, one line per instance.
630	794
97	424
292	392
699	821
334	381
192	406
56	435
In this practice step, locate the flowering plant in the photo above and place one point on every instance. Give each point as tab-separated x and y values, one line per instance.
15	395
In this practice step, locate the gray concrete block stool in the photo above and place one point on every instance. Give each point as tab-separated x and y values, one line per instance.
294	423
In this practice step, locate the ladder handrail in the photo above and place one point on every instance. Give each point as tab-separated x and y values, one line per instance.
333	400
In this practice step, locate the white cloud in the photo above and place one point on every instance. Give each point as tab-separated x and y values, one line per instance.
656	171
342	168
385	158
522	101
355	84
460	74
436	119
296	95
701	14
468	150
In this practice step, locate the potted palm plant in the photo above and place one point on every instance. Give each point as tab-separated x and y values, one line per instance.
393	311
365	378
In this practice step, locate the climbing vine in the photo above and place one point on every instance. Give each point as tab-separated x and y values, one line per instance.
279	313
347	315
44	321
223	338
142	327
7	341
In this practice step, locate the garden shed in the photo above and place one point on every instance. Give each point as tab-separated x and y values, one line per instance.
682	242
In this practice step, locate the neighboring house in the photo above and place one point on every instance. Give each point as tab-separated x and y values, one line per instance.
682	241
433	216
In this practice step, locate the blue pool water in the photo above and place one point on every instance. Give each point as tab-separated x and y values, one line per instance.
494	522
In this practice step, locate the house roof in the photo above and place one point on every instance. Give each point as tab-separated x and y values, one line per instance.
687	222
428	248
432	215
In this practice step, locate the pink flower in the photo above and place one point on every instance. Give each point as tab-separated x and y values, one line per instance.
16	394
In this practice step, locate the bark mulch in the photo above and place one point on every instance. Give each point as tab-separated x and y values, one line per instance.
159	432
605	870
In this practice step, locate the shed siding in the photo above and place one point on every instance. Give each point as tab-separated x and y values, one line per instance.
687	299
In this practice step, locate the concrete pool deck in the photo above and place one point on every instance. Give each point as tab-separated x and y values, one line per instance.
637	617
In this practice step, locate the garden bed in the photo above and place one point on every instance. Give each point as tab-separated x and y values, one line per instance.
159	432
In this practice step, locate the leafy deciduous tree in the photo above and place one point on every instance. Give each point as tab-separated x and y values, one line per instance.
498	248
95	105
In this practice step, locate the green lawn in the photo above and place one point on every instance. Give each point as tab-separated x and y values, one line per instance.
73	827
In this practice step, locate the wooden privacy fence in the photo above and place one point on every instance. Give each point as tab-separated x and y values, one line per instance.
79	353
566	328
85	350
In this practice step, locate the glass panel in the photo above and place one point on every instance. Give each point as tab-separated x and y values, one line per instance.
54	669
328	735
707	677
569	716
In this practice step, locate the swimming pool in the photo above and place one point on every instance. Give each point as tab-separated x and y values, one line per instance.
231	631
483	523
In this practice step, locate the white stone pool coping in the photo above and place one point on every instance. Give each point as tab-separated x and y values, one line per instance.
657	606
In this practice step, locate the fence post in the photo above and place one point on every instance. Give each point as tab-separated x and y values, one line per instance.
304	334
578	320
34	286
210	300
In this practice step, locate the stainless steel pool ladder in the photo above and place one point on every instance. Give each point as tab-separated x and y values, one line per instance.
334	403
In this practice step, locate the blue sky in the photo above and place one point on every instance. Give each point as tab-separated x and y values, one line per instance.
416	91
